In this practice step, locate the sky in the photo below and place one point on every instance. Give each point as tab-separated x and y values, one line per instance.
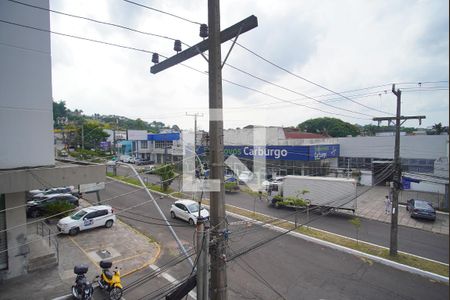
323	46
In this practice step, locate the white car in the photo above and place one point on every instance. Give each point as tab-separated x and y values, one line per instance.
245	176
87	218
187	210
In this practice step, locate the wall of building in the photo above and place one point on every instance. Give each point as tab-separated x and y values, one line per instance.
25	85
16	236
419	147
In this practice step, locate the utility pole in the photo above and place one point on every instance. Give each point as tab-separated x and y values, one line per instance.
195	115
393	245
217	199
217	208
82	136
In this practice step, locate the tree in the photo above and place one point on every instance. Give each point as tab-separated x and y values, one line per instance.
167	175
93	134
296	202
438	128
59	112
331	126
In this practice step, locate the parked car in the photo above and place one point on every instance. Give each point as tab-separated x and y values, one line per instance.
140	161
245	176
421	209
39	194
87	218
125	158
187	210
38	206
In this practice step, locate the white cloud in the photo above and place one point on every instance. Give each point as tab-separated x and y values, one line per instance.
340	44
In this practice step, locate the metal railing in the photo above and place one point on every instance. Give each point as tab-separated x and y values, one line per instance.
48	234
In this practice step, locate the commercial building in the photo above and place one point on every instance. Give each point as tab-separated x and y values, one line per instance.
286	151
157	147
26	102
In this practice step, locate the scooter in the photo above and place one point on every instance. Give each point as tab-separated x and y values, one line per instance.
110	281
82	289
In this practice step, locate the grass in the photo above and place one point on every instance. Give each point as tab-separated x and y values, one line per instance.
402	258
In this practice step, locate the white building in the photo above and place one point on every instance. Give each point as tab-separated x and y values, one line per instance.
26	103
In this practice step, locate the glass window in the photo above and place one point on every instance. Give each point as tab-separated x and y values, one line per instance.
78	215
144	144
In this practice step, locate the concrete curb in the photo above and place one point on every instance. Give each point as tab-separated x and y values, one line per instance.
384	261
342	236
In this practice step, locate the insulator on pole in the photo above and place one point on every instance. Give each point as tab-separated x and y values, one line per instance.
155	58
203	31
177	46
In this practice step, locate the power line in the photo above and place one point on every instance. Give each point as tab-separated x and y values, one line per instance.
307	80
78	37
93	20
161	36
163	12
151	52
259	244
295	92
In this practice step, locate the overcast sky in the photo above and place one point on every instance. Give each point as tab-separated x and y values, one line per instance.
340	45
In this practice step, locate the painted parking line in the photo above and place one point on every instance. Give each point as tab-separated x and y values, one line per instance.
172	279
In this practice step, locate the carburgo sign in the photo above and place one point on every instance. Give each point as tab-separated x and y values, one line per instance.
305	153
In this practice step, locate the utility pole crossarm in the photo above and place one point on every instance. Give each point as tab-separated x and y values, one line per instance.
225	35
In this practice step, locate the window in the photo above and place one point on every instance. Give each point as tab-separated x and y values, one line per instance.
90	215
100	213
144	144
181	206
163	144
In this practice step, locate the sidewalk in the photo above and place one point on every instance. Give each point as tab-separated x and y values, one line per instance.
124	246
370	205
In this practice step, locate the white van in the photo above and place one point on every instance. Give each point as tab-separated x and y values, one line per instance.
87	218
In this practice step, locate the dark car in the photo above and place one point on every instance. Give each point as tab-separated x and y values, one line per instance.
421	209
37	207
40	194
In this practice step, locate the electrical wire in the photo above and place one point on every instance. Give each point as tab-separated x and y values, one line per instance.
157	35
163	12
255	274
93	20
259	244
307	80
78	37
295	92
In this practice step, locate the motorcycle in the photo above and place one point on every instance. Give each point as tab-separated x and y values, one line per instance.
110	281
82	289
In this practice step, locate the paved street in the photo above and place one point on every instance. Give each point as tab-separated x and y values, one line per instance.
411	239
294	268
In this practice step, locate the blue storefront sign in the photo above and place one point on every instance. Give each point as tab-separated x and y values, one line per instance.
304	153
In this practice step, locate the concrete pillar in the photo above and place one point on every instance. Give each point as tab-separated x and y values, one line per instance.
17	254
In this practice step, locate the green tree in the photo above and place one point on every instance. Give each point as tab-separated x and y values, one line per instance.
59	112
93	134
331	126
166	174
438	129
297	202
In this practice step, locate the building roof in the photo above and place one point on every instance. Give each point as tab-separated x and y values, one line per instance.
297	134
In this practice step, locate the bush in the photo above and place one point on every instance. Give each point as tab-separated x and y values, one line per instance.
63	207
231	187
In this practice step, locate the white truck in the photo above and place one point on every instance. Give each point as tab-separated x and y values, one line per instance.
324	192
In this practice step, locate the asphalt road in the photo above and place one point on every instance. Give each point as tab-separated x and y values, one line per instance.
419	242
287	268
